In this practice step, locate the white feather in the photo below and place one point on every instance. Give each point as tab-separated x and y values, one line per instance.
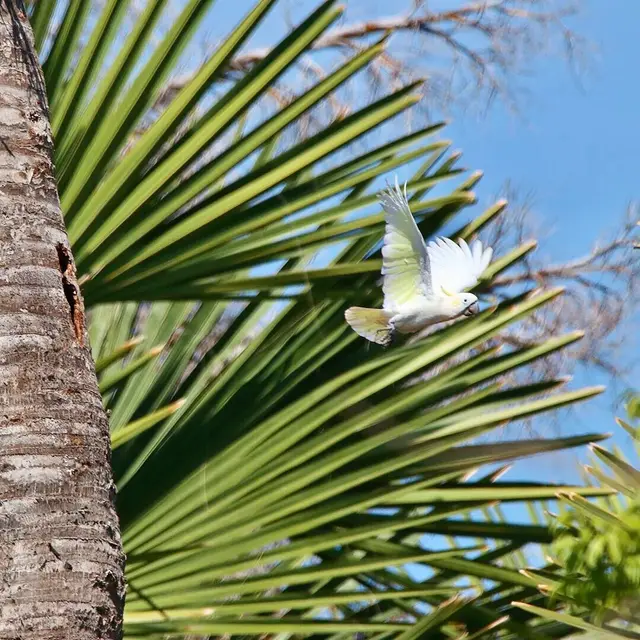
457	267
405	261
414	271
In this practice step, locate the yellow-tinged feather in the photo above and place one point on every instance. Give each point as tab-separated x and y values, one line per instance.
372	324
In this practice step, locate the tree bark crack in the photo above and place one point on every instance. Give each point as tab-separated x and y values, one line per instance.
71	291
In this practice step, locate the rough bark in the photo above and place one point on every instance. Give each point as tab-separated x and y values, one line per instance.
61	560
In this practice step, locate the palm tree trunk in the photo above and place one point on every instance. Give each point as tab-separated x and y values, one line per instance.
61	560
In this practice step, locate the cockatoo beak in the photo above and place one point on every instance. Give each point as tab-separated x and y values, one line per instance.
472	309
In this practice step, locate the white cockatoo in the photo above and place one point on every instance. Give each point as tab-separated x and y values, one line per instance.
423	284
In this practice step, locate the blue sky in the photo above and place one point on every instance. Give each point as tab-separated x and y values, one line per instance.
572	148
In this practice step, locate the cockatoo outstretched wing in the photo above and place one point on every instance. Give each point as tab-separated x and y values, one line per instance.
405	260
456	267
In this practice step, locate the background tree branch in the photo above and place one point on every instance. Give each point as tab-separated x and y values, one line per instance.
477	49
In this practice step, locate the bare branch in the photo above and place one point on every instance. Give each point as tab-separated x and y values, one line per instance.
601	296
485	41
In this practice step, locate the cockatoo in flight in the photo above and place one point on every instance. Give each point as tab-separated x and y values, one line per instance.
423	284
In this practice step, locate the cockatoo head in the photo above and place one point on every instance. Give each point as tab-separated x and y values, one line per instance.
469	304
462	304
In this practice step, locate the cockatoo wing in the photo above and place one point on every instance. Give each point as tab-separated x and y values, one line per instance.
405	261
456	267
